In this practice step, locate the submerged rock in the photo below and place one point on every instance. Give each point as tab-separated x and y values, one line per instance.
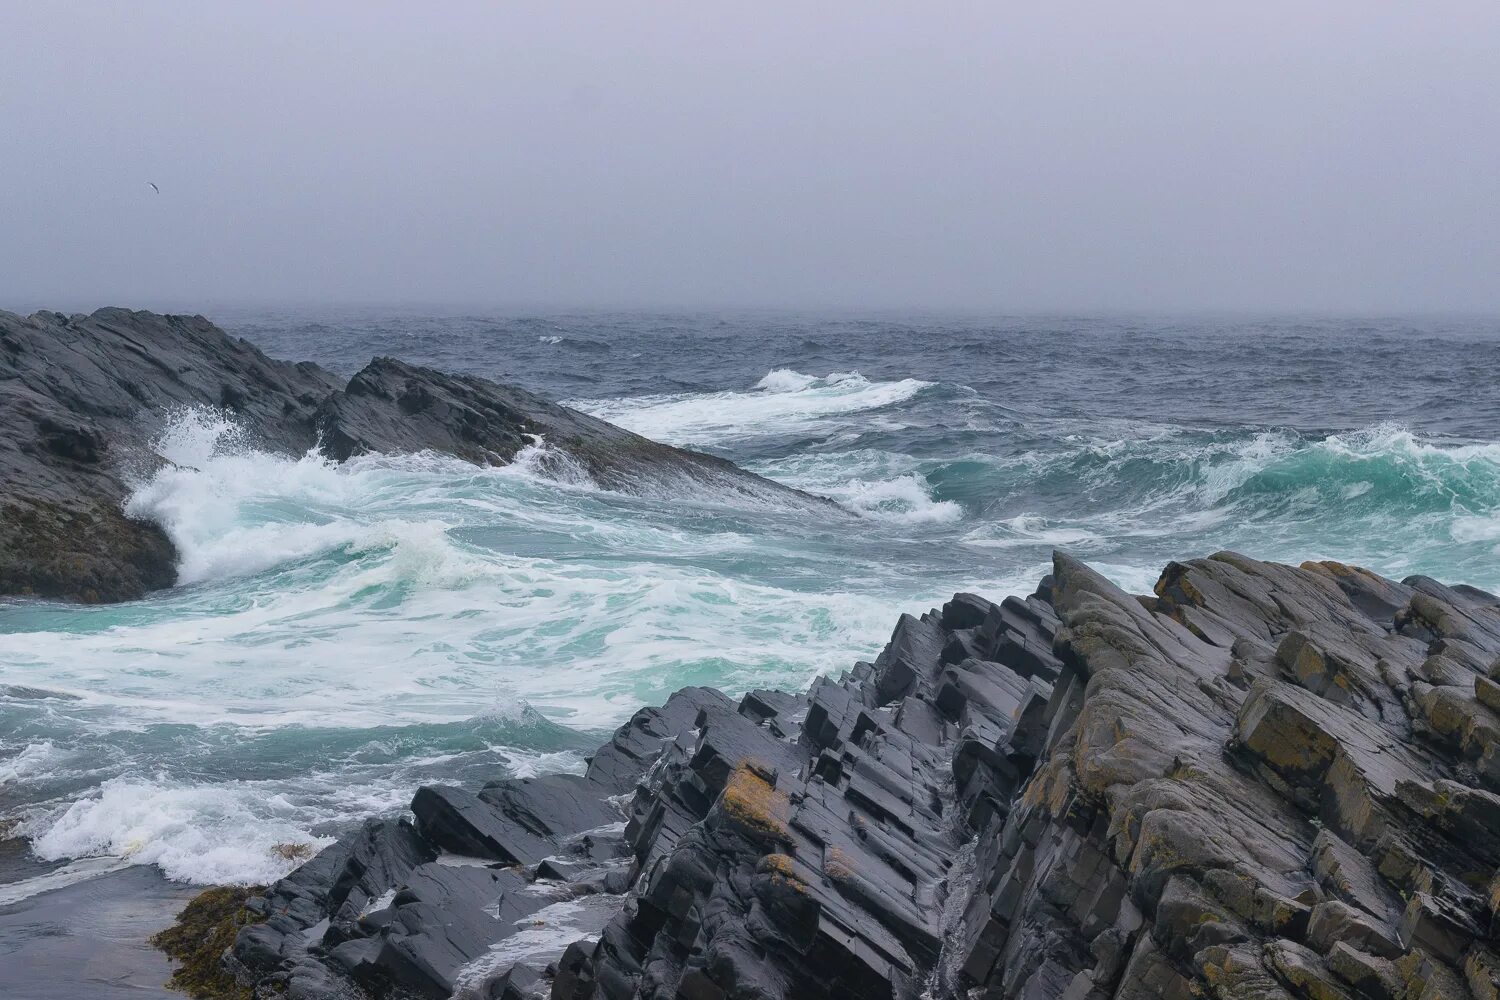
1263	781
82	397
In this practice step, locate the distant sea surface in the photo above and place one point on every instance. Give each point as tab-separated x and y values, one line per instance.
342	634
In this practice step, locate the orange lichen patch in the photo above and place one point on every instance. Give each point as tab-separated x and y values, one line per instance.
782	871
755	804
1052	785
1333	568
838	865
778	864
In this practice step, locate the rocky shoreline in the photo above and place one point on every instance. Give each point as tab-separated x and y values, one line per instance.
1261	781
83	397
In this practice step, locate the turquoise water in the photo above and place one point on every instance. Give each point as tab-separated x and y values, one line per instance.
342	634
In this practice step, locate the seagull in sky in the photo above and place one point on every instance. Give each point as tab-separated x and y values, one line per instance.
154	187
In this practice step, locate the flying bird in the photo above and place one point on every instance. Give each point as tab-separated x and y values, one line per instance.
154	187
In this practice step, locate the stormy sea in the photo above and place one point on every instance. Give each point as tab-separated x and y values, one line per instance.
343	633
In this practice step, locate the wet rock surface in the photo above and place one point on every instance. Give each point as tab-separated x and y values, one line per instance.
82	397
1261	781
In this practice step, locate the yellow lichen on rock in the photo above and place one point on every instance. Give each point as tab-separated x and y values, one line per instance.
783	870
755	804
838	865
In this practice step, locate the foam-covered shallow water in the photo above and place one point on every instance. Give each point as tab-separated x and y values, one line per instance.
343	633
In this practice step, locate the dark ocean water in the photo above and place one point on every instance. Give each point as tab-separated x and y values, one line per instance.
344	633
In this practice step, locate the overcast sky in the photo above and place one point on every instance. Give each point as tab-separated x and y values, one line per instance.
1331	156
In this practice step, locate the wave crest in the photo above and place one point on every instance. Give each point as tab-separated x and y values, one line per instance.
783	402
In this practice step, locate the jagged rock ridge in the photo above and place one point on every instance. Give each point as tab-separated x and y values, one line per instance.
1263	781
81	398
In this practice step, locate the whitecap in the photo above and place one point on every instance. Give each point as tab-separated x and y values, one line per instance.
906	499
206	834
782	402
32	759
1028	529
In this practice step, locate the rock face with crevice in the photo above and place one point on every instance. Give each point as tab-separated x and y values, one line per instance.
1262	781
83	397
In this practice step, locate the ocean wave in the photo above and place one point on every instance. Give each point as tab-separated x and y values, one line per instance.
1385	467
232	510
391	590
1382	496
253	830
886	486
906	499
783	402
206	834
29	760
1030	529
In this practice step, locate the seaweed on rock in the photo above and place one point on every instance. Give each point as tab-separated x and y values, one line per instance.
206	929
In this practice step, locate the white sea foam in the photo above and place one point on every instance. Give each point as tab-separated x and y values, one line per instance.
883	485
1028	529
538	938
906	499
31	759
783	402
59	878
207	834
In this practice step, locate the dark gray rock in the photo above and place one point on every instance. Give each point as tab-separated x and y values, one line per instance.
391	406
1255	784
82	397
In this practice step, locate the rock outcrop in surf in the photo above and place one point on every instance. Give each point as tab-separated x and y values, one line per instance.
81	398
1262	781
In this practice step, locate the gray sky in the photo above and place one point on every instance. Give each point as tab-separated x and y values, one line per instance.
1340	155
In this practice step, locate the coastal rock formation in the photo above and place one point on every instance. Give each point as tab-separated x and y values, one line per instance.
83	397
391	406
80	398
1262	781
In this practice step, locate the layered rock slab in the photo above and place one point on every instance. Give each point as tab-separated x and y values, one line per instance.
1263	781
796	845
